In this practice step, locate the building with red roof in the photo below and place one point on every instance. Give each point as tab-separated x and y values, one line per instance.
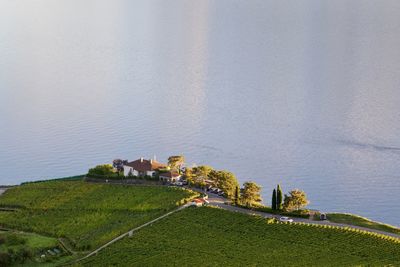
142	167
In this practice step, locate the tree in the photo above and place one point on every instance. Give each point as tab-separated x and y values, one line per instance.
212	178
237	195
226	181
296	199
201	173
273	206
102	170
279	198
189	176
251	194
176	162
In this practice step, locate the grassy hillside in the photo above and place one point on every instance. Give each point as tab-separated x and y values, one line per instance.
361	221
85	214
214	237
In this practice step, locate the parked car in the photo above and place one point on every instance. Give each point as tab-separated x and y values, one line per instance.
285	219
214	190
179	183
221	193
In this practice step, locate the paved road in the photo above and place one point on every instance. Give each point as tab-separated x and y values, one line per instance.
218	201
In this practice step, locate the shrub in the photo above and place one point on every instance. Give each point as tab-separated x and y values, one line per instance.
103	170
5	259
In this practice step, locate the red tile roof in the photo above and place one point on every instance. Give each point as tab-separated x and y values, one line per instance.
144	165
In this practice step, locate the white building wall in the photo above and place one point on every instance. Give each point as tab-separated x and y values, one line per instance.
150	173
127	169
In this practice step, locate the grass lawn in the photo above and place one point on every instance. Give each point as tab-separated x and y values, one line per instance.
214	237
361	221
87	215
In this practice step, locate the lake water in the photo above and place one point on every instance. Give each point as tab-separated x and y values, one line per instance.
302	93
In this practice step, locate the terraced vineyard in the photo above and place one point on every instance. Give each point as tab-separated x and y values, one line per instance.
214	237
85	215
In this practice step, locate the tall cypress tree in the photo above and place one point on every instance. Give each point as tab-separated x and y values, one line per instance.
279	199
273	206
237	195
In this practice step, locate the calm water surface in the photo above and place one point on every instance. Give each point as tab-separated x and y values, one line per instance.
302	93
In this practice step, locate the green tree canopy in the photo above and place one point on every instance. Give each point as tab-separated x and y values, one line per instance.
226	181
296	199
279	198
251	194
273	204
201	173
188	175
176	162
103	170
237	195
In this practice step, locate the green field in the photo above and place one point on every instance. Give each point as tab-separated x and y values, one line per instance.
214	237
361	221
86	215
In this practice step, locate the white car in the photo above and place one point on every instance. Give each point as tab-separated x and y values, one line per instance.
285	219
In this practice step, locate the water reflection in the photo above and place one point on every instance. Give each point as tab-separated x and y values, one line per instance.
300	93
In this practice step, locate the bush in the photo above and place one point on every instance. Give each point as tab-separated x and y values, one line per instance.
102	170
23	254
5	259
